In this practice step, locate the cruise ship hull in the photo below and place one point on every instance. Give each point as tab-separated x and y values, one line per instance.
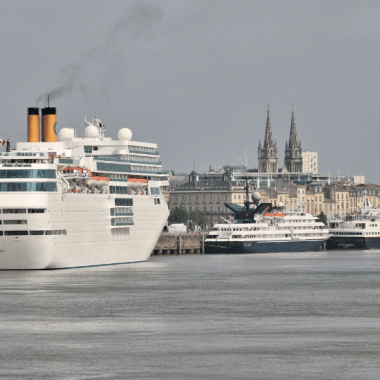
263	247
90	239
340	242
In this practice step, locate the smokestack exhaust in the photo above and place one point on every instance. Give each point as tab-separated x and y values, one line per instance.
33	124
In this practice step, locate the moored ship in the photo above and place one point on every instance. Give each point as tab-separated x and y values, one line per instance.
360	230
79	202
262	228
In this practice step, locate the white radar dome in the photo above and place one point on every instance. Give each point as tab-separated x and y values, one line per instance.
65	134
124	134
280	204
91	132
256	196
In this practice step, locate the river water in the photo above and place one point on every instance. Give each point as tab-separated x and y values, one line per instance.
273	316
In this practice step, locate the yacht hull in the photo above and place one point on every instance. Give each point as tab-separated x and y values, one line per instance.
342	242
263	247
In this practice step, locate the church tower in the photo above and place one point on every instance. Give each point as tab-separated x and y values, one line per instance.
268	157
293	150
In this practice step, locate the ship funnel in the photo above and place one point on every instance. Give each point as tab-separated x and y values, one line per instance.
49	124
33	125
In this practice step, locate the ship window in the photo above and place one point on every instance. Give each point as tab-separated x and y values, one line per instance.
31	173
123	202
14	211
36	210
156	191
28	186
15	233
37	232
20	221
1	233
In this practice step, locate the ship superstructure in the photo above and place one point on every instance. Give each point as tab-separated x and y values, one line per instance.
79	201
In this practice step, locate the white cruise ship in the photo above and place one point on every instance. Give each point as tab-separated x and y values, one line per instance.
79	202
360	230
266	229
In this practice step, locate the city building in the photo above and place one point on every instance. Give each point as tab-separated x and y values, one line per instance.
310	162
209	197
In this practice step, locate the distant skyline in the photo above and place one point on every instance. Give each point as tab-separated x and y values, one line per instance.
196	76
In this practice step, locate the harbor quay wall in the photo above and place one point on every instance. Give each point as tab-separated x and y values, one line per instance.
180	244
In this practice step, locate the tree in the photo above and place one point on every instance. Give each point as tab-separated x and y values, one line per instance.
178	215
198	217
322	217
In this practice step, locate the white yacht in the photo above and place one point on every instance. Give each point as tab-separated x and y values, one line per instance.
79	202
265	229
360	230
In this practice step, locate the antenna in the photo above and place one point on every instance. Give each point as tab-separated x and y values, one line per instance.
48	101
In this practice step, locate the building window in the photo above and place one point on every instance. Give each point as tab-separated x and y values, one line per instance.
196	197
211	208
204	209
218	197
190	209
218	208
183	197
234	196
176	197
225	197
204	197
189	197
210	197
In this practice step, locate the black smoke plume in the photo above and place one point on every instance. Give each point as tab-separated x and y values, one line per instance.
140	17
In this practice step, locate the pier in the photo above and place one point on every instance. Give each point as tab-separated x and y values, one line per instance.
180	244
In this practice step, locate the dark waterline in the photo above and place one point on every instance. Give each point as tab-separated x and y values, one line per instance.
272	316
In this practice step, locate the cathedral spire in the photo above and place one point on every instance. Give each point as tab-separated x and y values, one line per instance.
268	140
267	153
293	150
293	141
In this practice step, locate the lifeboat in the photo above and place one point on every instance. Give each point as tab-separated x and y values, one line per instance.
279	215
98	181
137	182
269	214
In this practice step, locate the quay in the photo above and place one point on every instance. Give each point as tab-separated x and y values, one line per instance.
180	244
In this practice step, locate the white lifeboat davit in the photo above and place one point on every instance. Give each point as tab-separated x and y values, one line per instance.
98	181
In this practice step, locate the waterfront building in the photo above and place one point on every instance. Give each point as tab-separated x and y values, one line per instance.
310	162
209	197
293	150
267	154
340	195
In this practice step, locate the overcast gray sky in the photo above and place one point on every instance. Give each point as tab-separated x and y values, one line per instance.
196	76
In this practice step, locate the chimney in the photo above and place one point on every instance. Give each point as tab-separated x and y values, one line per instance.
33	125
